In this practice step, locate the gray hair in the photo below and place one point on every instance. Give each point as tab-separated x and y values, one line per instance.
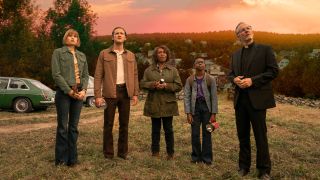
236	29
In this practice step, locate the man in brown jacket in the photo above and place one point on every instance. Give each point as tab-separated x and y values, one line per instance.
116	73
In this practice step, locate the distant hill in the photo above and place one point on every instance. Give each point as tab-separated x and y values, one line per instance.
277	41
299	78
216	44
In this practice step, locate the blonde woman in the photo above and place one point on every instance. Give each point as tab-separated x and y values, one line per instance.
70	73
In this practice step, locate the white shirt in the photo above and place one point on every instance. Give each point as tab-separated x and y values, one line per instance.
120	68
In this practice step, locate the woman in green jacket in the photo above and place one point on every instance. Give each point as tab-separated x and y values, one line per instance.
70	73
162	81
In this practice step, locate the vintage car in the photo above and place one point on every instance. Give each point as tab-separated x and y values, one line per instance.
24	95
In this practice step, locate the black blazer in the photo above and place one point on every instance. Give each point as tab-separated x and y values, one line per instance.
262	68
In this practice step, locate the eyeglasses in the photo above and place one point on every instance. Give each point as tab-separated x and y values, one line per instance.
247	28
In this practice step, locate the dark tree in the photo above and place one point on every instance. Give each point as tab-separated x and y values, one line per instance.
16	36
76	14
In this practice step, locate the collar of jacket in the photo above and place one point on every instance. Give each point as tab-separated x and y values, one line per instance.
66	49
204	77
111	50
155	67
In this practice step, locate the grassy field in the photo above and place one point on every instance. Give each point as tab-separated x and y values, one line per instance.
293	133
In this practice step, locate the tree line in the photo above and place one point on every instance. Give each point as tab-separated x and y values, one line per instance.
28	36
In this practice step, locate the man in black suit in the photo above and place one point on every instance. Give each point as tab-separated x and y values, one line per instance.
253	67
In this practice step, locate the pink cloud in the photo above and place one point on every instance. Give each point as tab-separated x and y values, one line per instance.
118	8
145	16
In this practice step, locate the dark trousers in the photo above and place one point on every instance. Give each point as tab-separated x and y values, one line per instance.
201	118
123	103
246	114
68	114
168	134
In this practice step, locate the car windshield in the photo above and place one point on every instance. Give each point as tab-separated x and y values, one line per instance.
4	83
40	85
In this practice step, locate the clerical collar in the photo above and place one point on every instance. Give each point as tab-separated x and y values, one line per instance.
249	46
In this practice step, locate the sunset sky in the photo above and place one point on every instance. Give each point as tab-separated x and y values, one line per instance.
148	16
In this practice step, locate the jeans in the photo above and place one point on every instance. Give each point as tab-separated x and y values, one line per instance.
201	118
168	132
68	114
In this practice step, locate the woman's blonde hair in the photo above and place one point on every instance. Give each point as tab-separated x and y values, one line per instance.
68	33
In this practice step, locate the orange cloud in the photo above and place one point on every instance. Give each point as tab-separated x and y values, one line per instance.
145	16
118	8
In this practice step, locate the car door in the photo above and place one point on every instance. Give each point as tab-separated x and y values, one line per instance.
3	92
13	91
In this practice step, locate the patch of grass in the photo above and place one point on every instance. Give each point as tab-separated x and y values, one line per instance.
293	148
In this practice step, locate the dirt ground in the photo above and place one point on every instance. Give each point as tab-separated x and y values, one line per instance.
11	122
88	115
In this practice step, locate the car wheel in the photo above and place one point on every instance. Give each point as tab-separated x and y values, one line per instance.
22	105
90	102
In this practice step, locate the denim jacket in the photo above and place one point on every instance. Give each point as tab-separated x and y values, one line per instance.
62	66
190	95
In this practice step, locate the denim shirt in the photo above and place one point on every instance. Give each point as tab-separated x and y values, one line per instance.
190	95
62	67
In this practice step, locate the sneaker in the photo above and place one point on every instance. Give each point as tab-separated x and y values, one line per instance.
242	172
265	176
195	161
60	163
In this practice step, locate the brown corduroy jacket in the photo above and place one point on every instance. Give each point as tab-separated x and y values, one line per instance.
106	74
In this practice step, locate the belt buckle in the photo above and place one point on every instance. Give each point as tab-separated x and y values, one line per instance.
121	85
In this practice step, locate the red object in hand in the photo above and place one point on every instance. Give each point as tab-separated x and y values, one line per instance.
212	126
216	125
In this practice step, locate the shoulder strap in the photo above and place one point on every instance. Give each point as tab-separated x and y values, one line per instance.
190	81
208	79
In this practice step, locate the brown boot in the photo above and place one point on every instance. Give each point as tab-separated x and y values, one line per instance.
155	154
170	157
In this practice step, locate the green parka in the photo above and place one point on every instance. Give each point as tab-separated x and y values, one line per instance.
161	103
